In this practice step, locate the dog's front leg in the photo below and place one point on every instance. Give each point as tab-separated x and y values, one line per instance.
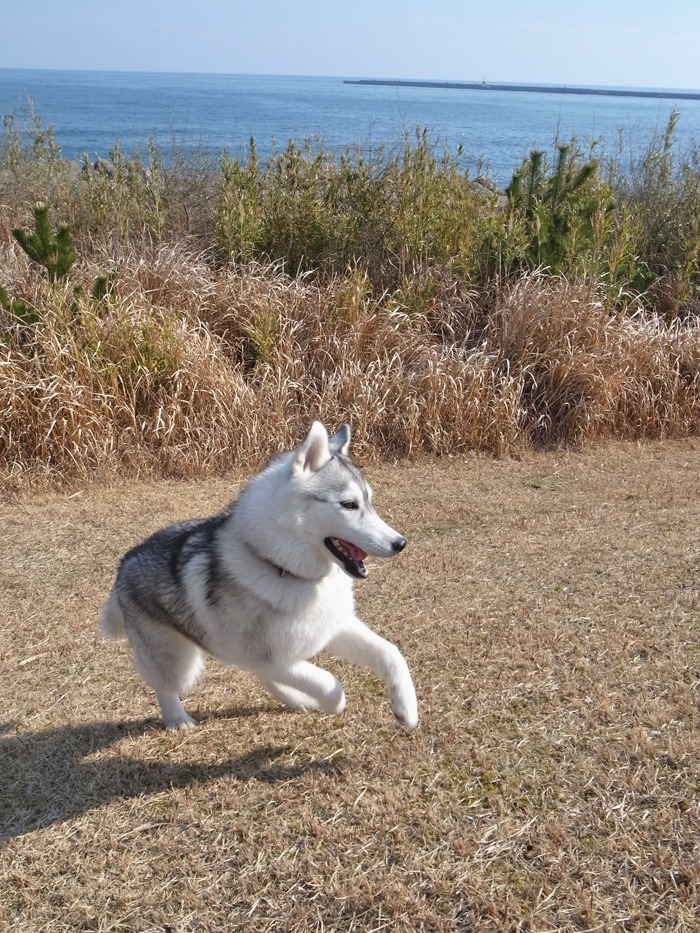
302	685
292	698
360	645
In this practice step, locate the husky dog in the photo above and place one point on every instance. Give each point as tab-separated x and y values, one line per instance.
264	586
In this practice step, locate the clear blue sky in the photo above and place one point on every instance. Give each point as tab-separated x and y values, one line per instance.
636	43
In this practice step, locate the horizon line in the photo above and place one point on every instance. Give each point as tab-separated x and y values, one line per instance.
361	79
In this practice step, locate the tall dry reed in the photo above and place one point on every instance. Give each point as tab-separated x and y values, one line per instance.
588	372
182	370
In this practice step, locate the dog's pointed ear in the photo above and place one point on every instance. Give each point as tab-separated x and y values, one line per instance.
313	453
340	442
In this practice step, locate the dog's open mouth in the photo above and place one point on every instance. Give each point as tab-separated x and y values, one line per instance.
349	555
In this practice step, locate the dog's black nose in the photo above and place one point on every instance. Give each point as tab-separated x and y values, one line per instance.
399	544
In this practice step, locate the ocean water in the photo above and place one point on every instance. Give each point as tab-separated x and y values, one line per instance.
189	113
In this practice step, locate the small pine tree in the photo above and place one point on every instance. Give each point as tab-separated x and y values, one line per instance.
101	289
20	312
556	207
52	251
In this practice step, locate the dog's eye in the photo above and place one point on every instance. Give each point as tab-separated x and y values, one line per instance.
350	504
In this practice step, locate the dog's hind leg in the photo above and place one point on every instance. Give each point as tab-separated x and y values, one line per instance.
172	665
360	645
302	685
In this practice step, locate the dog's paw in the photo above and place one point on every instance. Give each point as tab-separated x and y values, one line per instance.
334	703
339	706
180	725
405	716
408	723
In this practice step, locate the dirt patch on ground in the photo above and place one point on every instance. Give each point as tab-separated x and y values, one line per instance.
550	612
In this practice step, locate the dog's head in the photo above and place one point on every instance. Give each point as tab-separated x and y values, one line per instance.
340	510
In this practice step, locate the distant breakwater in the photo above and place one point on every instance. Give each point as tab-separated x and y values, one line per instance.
532	88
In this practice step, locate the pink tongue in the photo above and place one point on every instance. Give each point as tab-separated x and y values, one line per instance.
355	552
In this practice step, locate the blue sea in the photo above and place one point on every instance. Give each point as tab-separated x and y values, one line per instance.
207	113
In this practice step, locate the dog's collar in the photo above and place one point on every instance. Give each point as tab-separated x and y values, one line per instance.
282	571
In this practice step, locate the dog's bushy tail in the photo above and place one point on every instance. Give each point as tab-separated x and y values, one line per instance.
112	620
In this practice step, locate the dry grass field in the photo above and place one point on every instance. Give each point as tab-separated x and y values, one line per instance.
549	608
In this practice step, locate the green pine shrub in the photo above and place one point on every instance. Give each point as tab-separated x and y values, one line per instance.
53	251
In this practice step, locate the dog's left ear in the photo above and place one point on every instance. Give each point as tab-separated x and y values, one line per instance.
340	442
313	453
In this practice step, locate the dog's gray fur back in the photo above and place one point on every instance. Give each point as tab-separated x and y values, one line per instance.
152	576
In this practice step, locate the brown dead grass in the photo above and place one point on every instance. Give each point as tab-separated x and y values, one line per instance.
185	371
550	611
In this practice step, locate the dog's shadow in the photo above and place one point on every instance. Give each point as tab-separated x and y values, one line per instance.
49	777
